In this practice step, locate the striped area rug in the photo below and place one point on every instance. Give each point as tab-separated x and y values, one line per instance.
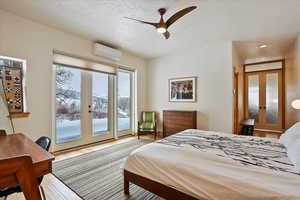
98	175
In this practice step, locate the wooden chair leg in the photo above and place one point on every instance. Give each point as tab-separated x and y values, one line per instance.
2	132
126	186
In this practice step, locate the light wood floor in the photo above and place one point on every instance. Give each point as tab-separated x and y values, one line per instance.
54	188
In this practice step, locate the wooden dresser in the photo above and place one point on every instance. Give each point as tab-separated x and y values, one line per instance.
175	121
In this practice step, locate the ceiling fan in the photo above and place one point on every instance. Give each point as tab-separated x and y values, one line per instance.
162	26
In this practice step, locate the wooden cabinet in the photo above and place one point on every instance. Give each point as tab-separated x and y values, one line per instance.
175	121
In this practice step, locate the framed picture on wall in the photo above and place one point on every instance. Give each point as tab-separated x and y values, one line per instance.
183	89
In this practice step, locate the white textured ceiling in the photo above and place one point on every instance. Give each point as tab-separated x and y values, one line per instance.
214	20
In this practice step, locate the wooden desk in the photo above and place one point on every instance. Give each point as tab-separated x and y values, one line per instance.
247	127
18	144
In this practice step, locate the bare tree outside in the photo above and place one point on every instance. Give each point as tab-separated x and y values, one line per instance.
63	78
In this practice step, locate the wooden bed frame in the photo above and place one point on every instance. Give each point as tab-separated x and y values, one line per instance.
159	189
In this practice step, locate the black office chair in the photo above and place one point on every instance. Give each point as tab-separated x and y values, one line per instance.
43	142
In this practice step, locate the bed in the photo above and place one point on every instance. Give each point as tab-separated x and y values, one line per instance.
196	164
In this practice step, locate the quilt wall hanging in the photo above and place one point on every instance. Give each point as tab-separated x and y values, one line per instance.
11	74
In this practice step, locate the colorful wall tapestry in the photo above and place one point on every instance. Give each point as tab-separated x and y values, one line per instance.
11	75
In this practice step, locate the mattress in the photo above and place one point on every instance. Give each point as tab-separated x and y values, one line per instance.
218	166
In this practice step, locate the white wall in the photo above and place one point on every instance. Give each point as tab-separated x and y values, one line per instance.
212	65
34	42
292	74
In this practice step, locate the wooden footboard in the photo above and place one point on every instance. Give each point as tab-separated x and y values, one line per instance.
154	187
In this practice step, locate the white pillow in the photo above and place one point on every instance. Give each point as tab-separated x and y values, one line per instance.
294	155
290	135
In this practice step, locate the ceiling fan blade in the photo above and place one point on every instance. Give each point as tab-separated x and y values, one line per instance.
179	14
143	22
166	34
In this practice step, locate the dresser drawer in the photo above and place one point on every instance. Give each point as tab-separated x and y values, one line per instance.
180	114
178	125
172	131
177	121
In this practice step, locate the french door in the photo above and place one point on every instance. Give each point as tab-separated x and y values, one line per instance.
263	96
84	107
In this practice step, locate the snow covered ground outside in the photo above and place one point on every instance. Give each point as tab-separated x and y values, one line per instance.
70	130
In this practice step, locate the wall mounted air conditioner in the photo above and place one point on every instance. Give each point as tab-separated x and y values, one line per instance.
107	52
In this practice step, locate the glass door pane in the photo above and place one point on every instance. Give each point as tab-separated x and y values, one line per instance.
68	103
124	110
100	103
272	97
253	97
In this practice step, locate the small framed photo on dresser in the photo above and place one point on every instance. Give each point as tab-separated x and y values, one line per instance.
183	89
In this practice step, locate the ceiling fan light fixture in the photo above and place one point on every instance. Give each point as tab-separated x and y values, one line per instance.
263	46
161	30
162	26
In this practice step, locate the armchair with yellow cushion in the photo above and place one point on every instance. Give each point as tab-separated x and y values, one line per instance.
147	124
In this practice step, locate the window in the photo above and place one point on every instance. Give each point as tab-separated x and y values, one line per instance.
124	100
93	102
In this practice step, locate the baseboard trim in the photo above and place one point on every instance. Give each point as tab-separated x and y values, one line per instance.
267	130
68	150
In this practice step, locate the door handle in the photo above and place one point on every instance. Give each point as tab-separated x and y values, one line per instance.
262	107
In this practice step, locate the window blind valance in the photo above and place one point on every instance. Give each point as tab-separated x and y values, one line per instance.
73	61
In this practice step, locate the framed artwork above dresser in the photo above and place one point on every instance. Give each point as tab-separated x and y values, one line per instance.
175	121
183	89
